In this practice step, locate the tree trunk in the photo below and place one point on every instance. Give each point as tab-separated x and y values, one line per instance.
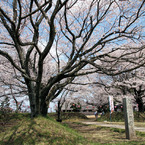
44	109
34	113
59	112
140	104
141	107
43	106
38	104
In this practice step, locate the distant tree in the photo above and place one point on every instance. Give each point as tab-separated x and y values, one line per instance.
11	84
5	111
60	102
133	85
50	43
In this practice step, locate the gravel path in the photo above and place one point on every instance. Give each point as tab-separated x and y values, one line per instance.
141	129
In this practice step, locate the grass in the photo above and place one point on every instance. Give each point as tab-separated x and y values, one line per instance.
39	131
106	135
119	117
70	115
137	124
21	130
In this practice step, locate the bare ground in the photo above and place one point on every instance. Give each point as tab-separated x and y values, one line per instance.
116	125
102	135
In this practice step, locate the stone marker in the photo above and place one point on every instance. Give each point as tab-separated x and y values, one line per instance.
129	118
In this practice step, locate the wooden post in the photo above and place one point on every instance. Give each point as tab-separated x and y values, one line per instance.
129	118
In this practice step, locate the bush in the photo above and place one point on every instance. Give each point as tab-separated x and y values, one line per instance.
70	115
119	117
5	111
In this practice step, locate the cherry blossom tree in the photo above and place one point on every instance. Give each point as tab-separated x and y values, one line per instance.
11	85
51	43
133	85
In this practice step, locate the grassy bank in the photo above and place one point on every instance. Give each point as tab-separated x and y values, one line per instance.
68	115
22	130
119	117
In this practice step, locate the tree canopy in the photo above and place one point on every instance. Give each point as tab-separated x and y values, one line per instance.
49	44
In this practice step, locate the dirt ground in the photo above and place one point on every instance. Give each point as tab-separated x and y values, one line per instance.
103	135
138	126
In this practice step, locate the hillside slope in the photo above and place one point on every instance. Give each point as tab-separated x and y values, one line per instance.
38	131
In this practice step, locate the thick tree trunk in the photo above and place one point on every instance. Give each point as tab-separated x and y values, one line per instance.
141	107
34	113
43	106
32	98
44	109
38	104
139	100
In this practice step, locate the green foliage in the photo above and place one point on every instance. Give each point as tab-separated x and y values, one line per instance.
117	130
139	117
5	111
142	134
115	117
68	115
119	117
4	106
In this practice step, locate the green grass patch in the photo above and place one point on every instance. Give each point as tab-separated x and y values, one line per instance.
115	117
68	115
119	117
117	136
39	131
119	130
22	130
141	134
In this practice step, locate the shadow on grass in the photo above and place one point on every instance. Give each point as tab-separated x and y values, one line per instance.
27	133
39	131
18	135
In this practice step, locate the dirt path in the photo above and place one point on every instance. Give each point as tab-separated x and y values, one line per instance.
100	135
141	129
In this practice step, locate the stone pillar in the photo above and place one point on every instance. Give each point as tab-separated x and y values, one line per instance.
129	118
